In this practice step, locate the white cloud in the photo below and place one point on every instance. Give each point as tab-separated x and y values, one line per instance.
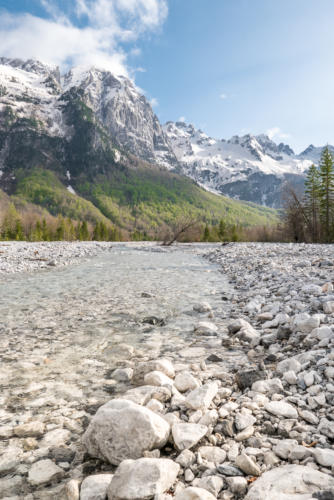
182	119
276	133
223	96
154	102
91	32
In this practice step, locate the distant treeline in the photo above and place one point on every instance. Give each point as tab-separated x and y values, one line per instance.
33	228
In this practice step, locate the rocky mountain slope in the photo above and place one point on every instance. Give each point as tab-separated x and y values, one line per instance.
251	167
88	145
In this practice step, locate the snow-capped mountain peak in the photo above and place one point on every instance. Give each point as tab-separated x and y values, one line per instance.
249	167
241	166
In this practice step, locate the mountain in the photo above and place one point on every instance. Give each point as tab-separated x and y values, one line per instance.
252	168
89	146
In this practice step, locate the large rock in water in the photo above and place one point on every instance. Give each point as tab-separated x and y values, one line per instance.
290	482
122	429
142	479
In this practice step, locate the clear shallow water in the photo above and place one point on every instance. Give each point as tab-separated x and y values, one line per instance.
63	323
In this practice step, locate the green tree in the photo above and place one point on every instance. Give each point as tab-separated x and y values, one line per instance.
60	231
12	226
83	231
38	233
206	234
234	233
312	201
97	232
222	229
46	233
326	193
19	234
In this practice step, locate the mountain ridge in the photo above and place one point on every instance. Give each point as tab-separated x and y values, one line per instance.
63	143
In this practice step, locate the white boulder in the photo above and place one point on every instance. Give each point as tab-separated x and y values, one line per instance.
122	429
290	482
142	479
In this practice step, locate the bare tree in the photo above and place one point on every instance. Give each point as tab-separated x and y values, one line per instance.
179	229
297	221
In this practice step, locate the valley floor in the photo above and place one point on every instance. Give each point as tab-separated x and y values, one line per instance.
222	356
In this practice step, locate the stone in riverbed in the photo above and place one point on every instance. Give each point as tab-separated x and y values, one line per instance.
56	437
186	458
310	417
194	493
158	379
237	485
326	427
281	409
213	484
187	435
122	429
95	487
324	456
290	482
246	378
185	381
201	397
212	454
122	374
245	433
10	459
206	328
202	307
242	421
71	490
285	447
328	307
287	365
142	479
142	395
305	323
247	465
271	386
162	365
31	429
229	470
44	471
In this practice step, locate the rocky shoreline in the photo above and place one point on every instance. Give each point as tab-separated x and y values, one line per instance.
201	430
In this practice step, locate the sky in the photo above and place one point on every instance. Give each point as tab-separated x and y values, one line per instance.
226	66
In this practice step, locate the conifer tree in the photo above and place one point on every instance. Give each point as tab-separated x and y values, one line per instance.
312	201
60	231
45	231
222	229
206	234
326	193
83	231
37	233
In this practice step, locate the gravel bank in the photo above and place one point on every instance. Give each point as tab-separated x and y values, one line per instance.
22	256
186	427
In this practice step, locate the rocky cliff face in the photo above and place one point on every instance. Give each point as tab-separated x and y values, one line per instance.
39	102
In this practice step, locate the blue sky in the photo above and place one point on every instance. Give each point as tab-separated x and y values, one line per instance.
227	66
